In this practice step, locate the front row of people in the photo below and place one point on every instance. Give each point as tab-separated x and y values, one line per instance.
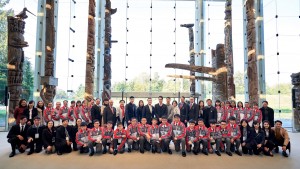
156	138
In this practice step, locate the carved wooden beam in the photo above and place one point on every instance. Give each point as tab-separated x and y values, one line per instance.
199	69
193	77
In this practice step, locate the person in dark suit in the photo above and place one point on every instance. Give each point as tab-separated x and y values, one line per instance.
160	109
30	112
139	111
209	113
63	140
34	135
148	111
246	136
96	111
109	113
267	113
48	136
258	140
269	144
183	110
130	111
17	136
193	110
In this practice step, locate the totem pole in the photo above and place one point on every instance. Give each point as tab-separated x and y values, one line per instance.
252	60
219	87
192	55
90	58
296	101
228	51
107	46
49	81
15	58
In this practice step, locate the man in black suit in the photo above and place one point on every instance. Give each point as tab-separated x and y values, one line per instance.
130	111
209	113
148	111
62	140
160	109
183	110
267	113
193	110
34	135
96	111
17	136
109	113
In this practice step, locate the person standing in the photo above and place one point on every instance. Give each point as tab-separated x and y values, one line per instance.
30	112
96	111
71	114
40	108
169	106
48	113
193	111
64	110
257	115
34	136
104	105
201	107
17	136
281	138
175	110
121	112
149	111
110	114
267	113
183	110
55	114
139	111
209	113
130	111
160	109
19	111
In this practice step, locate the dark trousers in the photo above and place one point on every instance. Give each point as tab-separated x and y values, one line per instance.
204	143
270	145
133	144
83	149
119	146
195	148
217	142
165	144
16	143
227	143
97	145
38	143
237	144
63	147
177	144
155	145
105	143
144	144
245	149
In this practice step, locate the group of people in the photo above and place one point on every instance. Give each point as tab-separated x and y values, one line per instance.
90	127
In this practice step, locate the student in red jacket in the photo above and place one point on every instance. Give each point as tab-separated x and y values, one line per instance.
144	136
165	134
82	138
225	132
257	115
214	137
153	132
203	136
235	135
119	139
107	138
192	138
133	135
95	138
178	134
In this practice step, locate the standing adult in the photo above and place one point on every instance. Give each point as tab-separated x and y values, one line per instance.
121	112
110	113
30	112
139	111
193	112
209	113
267	113
160	109
19	111
96	111
149	111
169	106
130	111
40	106
183	110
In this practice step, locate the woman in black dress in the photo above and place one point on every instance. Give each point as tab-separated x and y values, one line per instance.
258	140
269	138
48	137
246	136
139	110
30	112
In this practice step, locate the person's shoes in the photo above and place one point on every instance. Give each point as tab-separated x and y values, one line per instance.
170	151
104	151
142	151
205	152
91	153
195	152
238	153
115	152
229	153
250	152
276	149
183	154
59	153
12	154
284	154
129	150
75	149
218	153
30	152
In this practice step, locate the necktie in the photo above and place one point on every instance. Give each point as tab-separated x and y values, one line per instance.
22	128
66	132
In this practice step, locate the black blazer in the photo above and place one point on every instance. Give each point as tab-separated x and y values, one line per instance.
108	115
48	137
96	113
249	135
130	111
60	138
268	113
16	130
139	113
32	130
183	111
160	110
193	112
34	114
271	135
258	138
147	114
209	113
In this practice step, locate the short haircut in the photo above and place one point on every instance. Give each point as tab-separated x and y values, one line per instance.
149	98
36	118
133	118
122	101
131	97
218	101
183	97
200	119
23	117
73	101
278	121
224	121
119	124
255	104
160	97
168	98
265	102
208	100
96	120
64	119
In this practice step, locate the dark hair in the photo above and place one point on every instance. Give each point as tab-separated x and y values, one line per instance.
149	98
73	101
248	127
122	101
255	104
154	118
232	103
133	118
131	97
96	120
208	100
278	121
182	97
266	121
265	102
76	122
168	98
20	102
201	101
224	121
140	102
30	102
52	128
37	105
200	119
64	119
174	101
78	102
37	117
23	117
239	103
256	122
119	124
160	97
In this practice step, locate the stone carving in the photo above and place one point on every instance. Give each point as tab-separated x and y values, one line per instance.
15	58
192	56
219	87
107	56
48	81
296	101
228	51
90	56
252	60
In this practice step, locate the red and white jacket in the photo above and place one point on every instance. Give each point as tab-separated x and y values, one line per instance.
153	131
63	113
257	115
192	134
71	113
107	133
82	137
143	129
249	114
96	133
48	114
165	130
235	132
178	130
228	112
203	132
221	114
132	132
214	133
225	132
55	114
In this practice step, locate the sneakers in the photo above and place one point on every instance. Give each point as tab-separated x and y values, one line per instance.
205	152
142	151
129	150
91	153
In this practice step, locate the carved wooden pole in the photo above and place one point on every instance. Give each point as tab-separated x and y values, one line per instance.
15	58
252	60
296	101
107	56
219	87
229	51
90	55
49	81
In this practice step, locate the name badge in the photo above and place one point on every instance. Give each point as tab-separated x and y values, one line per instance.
53	139
119	140
155	136
244	138
67	138
36	136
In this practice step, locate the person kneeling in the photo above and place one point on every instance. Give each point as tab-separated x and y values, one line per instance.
235	135
192	138
153	132
49	134
119	139
203	136
281	138
62	140
82	138
95	138
214	137
144	136
133	135
178	134
225	132
107	139
165	130
34	135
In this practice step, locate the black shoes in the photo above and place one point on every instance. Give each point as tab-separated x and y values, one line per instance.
129	150
250	152
170	151
238	153
218	153
104	151
205	152
59	153
91	153
12	154
228	153
276	150
142	151
284	154
195	152
183	154
30	152
115	152
153	150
